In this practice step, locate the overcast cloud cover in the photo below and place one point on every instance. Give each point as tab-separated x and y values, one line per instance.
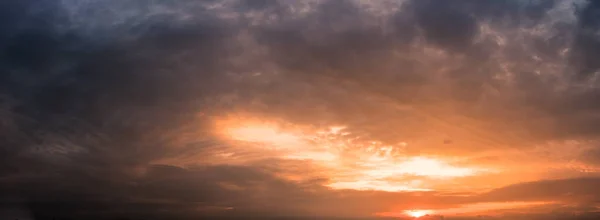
111	108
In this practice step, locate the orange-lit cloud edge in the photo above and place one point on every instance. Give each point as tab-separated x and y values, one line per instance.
350	163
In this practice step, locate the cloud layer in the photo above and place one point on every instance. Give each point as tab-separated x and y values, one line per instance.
130	108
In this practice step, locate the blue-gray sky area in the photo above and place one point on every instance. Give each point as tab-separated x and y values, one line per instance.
296	109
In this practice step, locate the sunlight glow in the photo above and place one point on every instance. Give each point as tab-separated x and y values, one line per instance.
257	131
348	163
262	133
377	185
421	166
469	209
418	213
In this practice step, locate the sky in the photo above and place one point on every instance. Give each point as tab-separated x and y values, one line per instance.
300	109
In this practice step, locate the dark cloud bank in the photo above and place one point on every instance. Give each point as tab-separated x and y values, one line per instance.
93	92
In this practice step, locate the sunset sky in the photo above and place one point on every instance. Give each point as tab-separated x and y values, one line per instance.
303	109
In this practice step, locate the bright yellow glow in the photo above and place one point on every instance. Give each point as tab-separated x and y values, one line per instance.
421	166
261	133
242	129
418	213
374	174
348	163
377	185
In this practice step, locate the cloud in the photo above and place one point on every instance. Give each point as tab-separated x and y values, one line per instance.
111	105
580	190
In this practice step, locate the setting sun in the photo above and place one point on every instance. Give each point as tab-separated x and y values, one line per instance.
418	213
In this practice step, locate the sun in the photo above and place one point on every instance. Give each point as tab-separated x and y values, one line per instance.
418	213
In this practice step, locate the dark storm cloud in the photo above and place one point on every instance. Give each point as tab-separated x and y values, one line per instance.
81	116
445	25
52	77
587	41
87	104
